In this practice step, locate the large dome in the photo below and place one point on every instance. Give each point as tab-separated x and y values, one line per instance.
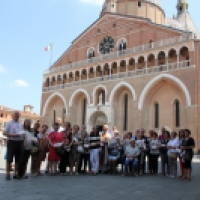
157	2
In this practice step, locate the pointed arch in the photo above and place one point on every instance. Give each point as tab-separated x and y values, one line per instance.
128	85
49	100
158	78
75	93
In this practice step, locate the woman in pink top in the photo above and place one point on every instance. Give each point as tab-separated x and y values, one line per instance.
53	158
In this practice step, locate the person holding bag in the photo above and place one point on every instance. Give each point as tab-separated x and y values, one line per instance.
44	146
188	144
55	141
75	149
181	138
172	147
64	156
28	139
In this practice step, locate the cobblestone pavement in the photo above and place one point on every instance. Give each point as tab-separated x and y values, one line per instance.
105	187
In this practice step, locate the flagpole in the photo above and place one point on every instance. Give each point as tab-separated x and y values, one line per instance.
51	55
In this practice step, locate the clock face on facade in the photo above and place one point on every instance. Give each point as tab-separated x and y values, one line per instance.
106	45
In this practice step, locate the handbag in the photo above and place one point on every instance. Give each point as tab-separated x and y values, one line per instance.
60	151
173	154
35	148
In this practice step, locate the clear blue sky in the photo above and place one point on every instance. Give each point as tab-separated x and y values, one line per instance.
27	26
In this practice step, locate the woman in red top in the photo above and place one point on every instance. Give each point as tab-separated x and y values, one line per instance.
53	158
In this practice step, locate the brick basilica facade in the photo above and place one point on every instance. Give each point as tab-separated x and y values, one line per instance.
132	68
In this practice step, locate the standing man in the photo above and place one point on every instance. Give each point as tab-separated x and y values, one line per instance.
15	144
105	139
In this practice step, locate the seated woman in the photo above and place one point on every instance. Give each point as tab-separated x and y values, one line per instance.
114	152
131	156
127	139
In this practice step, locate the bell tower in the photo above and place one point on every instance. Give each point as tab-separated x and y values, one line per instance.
182	6
184	18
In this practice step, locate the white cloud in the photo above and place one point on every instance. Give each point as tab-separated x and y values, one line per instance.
20	83
1	69
97	2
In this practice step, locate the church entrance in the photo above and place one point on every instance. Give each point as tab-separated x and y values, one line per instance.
98	119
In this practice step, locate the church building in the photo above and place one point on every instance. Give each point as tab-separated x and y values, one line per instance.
132	68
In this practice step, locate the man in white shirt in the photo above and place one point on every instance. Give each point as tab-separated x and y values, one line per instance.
105	139
13	131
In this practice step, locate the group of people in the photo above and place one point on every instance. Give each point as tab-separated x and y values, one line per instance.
95	152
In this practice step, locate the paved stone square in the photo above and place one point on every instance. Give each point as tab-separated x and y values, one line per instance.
104	187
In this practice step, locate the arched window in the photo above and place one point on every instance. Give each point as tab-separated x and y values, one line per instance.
101	97
122	47
84	111
125	123
59	78
91	53
64	112
54	116
177	113
156	110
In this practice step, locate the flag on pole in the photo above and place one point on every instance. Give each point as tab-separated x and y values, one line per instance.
49	47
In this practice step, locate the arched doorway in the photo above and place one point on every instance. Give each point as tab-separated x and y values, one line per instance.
98	119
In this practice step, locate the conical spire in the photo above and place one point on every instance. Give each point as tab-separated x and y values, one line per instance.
182	6
183	16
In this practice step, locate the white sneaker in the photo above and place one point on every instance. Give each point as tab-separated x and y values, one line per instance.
172	176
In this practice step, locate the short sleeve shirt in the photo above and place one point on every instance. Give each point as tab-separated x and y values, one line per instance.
189	143
13	127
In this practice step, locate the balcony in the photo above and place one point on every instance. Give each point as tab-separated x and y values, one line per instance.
120	54
124	75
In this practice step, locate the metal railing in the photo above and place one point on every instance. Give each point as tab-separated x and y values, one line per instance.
121	75
127	52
